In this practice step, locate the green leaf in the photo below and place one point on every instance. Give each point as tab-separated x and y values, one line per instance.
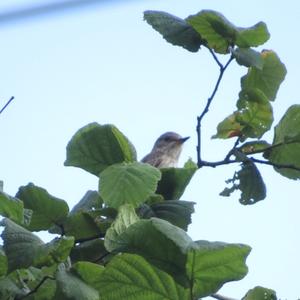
254	113
269	78
125	218
254	147
47	209
252	119
95	147
286	137
159	242
228	128
24	249
210	265
1	186
174	180
260	293
177	212
221	34
174	30
250	183
11	207
131	277
88	251
252	36
91	200
3	263
128	183
248	57
70	287
89	272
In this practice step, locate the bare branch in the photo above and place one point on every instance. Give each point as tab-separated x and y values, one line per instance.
209	101
279	166
7	103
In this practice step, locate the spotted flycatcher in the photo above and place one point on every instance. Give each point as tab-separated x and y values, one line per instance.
166	150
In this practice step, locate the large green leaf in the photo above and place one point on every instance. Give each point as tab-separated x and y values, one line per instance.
174	180
24	249
9	289
89	272
287	137
269	78
128	183
175	30
249	181
177	212
47	209
260	293
211	264
158	241
221	34
129	277
70	287
11	207
95	147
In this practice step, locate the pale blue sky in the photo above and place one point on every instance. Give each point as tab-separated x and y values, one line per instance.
105	64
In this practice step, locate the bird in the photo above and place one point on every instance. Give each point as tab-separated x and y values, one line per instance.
166	150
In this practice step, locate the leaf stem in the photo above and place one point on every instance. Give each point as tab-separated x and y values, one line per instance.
209	101
7	103
279	166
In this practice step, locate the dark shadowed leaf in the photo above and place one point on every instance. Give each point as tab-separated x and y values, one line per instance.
11	207
3	263
174	30
174	180
211	264
91	200
286	136
95	147
260	293
177	212
128	183
88	251
129	277
47	210
71	287
24	249
249	181
248	57
269	78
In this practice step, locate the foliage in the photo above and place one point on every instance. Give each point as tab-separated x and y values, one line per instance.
128	240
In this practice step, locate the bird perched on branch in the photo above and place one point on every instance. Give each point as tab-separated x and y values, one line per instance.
166	150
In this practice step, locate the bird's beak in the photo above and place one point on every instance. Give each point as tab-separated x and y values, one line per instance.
182	140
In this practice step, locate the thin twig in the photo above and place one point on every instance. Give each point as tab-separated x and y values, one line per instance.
278	166
220	297
7	103
236	143
209	101
37	287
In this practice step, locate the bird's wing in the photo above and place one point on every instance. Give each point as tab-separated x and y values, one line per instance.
152	160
